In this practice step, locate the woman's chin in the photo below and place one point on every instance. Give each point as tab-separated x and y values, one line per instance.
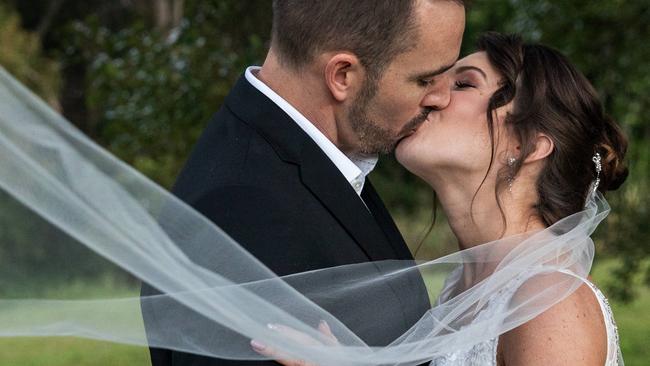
407	156
403	150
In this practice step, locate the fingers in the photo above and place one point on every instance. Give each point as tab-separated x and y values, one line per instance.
297	336
272	353
324	328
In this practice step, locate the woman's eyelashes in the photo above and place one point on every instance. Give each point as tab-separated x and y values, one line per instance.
462	84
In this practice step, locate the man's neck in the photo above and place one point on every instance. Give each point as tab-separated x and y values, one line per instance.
305	94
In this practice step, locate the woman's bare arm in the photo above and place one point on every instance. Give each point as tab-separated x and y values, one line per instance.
571	332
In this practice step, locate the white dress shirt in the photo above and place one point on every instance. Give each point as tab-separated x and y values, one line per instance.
354	168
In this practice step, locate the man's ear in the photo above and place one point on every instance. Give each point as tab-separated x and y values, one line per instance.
543	147
343	75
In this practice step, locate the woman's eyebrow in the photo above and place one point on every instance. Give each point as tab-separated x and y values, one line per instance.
466	68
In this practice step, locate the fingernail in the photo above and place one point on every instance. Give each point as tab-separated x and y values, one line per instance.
324	325
257	345
272	326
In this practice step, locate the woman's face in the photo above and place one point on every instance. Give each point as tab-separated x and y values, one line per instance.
454	143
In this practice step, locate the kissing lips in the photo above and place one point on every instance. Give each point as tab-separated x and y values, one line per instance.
412	131
419	126
414	125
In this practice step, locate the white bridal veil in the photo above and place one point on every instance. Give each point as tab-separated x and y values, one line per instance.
70	213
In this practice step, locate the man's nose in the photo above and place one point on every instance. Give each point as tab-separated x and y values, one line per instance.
439	96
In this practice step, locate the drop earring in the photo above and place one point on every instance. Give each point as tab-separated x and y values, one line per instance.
511	176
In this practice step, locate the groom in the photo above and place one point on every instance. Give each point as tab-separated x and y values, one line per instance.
282	167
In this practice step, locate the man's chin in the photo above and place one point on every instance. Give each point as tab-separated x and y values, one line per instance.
377	145
402	138
380	141
383	150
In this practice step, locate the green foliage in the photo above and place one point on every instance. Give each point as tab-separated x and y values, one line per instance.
604	38
152	92
633	318
625	233
22	56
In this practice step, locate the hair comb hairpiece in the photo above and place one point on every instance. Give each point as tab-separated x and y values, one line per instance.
599	167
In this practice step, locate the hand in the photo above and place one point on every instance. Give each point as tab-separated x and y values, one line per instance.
300	337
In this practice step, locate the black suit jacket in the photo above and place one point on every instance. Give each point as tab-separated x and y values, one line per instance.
257	175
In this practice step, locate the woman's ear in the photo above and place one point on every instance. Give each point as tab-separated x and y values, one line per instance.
543	147
343	75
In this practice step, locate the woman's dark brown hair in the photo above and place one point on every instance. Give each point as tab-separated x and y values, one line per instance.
552	97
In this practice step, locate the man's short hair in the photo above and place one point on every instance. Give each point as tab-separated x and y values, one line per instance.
376	31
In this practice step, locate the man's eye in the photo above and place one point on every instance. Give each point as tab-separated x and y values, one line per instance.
425	82
463	85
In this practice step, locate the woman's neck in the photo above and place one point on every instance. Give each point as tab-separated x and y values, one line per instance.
479	219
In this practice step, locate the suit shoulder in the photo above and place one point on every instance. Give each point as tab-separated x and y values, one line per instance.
228	153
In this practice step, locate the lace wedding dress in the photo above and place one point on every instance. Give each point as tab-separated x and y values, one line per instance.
485	353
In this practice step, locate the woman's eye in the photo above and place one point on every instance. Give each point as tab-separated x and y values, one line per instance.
463	85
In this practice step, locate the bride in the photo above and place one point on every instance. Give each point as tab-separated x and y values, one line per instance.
519	161
526	116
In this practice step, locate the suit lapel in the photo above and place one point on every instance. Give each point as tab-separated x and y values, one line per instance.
385	221
318	173
324	180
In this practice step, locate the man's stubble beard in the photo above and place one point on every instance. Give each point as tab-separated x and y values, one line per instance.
373	138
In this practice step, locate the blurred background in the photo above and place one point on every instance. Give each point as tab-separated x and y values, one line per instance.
143	77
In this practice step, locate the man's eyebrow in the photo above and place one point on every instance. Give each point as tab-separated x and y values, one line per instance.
431	74
466	68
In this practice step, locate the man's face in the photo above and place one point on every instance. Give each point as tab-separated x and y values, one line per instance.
413	84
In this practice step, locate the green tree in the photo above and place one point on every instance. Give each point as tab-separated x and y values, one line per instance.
23	57
152	89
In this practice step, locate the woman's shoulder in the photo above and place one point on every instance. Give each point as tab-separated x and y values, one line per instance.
571	332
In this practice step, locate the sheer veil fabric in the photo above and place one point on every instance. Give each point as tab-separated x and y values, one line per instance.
98	213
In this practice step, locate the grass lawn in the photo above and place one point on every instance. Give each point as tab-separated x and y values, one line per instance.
633	324
65	351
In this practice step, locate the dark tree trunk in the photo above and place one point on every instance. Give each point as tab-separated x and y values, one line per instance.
46	21
167	14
